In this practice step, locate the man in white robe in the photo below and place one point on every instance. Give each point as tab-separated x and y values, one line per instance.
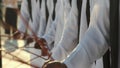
94	43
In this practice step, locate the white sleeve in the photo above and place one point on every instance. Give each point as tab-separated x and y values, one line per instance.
42	21
50	6
69	38
36	19
50	36
95	42
25	14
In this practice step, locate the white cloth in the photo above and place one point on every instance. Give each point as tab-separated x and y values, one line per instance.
40	18
51	10
84	26
51	7
94	43
25	14
69	38
55	32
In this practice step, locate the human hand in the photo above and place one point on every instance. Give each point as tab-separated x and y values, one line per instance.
29	39
18	35
42	44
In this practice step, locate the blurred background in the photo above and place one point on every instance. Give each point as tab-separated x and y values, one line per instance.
10	60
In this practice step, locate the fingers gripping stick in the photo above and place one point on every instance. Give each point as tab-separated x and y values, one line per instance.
44	48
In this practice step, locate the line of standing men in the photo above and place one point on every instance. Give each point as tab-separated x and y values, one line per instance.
63	33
